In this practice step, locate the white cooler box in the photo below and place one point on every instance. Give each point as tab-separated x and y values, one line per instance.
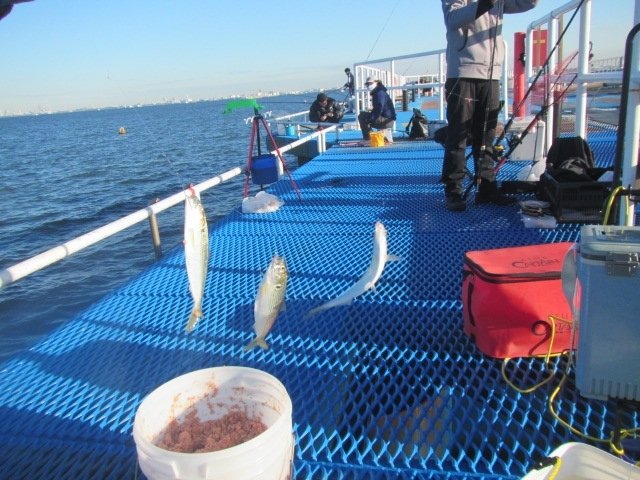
530	150
608	355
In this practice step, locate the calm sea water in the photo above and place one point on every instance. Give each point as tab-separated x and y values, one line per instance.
65	174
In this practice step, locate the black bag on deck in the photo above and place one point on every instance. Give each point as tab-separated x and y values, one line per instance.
570	160
418	126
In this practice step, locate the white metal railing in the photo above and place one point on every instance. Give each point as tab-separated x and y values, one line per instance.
586	69
300	124
422	66
613	64
585	76
385	69
55	254
631	133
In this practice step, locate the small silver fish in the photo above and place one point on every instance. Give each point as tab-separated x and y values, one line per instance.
368	280
269	301
196	252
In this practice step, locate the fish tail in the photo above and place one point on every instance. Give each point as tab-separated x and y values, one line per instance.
393	258
196	315
256	342
336	302
315	311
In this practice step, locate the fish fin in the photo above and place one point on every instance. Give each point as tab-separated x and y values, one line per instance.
256	342
393	258
283	308
196	315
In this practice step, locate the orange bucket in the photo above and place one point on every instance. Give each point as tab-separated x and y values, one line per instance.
376	139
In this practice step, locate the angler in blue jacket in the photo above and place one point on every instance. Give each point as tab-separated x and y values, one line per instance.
383	113
475	54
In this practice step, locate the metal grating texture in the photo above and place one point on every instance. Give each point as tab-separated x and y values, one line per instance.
388	387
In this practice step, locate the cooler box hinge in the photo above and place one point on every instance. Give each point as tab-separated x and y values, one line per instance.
622	264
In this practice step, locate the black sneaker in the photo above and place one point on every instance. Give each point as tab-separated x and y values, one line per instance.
455	203
495	197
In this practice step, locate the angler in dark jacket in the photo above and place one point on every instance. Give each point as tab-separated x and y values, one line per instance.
325	109
383	113
475	54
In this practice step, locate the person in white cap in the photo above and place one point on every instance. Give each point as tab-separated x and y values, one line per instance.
383	113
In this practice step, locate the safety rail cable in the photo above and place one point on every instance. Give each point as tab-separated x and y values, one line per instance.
62	251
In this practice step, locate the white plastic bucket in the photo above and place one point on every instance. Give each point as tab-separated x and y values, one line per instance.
579	461
214	392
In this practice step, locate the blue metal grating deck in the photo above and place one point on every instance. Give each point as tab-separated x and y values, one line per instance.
389	387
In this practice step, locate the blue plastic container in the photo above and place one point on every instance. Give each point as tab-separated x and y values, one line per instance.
264	169
291	131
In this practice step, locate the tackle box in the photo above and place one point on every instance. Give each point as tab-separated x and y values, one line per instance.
608	354
576	202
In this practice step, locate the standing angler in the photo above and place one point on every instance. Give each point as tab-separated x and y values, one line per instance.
269	301
196	252
475	54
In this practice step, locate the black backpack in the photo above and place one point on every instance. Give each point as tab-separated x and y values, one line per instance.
418	126
570	159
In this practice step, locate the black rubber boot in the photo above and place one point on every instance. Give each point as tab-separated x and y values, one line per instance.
456	202
488	193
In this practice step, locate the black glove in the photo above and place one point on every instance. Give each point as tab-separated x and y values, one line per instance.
484	6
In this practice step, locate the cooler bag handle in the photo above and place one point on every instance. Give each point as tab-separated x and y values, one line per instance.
569	277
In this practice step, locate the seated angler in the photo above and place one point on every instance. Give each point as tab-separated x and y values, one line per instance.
383	113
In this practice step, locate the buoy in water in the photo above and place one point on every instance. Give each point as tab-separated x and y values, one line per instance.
122	131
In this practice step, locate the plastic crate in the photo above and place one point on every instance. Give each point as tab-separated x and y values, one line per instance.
575	202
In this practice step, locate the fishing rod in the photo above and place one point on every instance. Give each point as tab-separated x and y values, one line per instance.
542	68
502	159
500	15
475	179
542	112
544	109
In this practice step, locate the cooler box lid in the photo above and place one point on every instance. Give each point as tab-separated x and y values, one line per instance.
519	264
597	242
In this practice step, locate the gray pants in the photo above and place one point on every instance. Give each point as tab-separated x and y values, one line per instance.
364	119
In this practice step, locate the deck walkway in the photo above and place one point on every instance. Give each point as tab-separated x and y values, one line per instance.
389	387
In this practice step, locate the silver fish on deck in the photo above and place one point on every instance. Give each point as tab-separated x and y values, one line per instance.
269	301
196	252
368	280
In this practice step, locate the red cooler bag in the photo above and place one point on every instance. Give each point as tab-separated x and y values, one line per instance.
513	303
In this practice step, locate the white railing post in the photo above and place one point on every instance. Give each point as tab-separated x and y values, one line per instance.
631	133
442	71
583	69
528	47
552	39
393	73
505	83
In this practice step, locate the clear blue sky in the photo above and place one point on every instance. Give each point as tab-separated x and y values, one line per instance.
66	54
